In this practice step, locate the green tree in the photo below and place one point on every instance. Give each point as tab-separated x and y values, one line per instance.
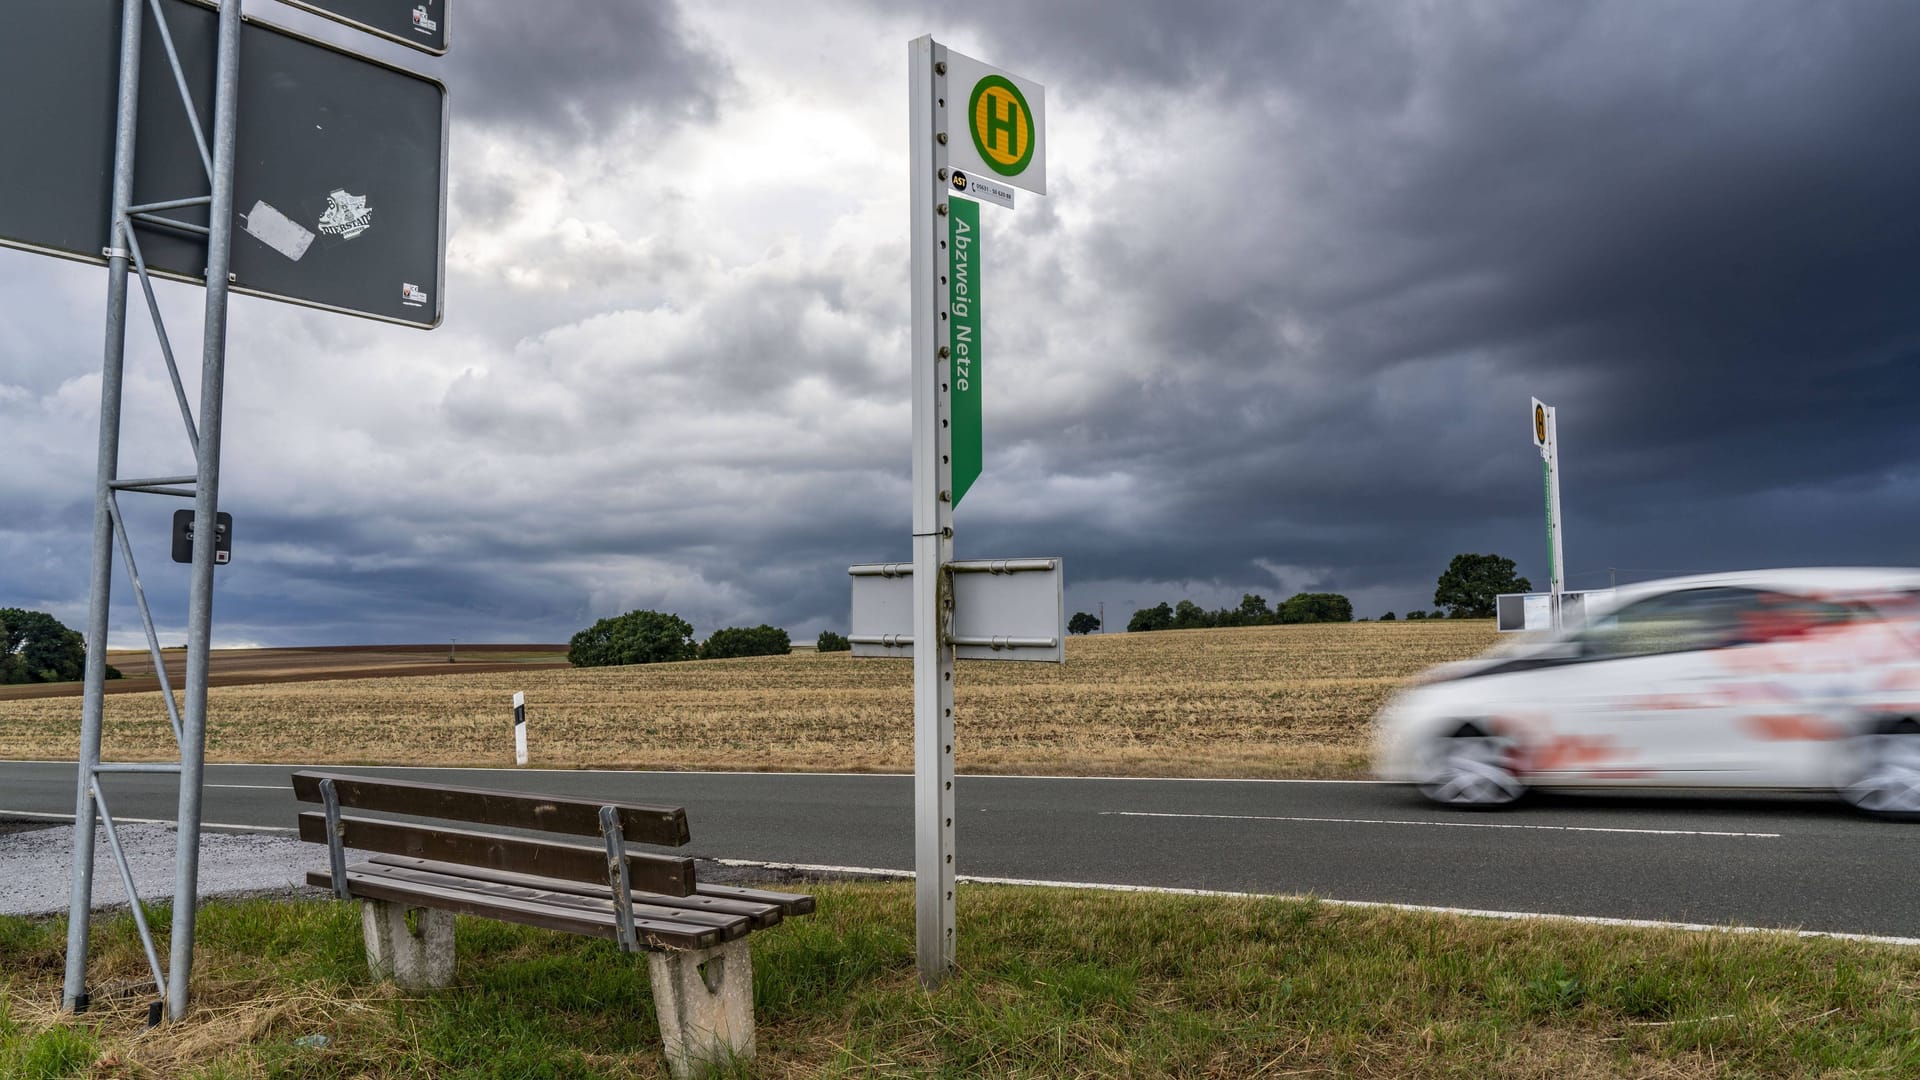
762	640
1082	623
35	647
1388	617
1188	615
1316	608
1416	614
638	637
1254	610
1467	588
832	642
1153	618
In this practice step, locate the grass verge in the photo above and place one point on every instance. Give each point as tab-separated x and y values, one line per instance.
1051	983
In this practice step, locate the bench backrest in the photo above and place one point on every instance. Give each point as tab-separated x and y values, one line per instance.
617	824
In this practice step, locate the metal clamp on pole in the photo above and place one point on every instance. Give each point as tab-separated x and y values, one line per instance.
336	839
617	878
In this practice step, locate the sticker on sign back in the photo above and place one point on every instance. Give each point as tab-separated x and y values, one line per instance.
973	186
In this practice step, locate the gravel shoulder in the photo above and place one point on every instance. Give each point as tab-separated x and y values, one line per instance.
36	866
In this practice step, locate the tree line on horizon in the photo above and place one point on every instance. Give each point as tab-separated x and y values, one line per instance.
1253	611
36	647
658	637
1466	589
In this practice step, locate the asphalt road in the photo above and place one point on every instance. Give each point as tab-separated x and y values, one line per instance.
1786	862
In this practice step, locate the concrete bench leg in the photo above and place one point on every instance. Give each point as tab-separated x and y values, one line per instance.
415	961
704	998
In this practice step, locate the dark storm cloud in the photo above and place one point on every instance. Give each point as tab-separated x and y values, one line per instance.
572	68
1690	225
1273	329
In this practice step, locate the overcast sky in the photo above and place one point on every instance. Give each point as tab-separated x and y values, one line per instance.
1273	329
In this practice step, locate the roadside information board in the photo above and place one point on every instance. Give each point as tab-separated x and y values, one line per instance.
1534	611
1003	609
417	24
340	172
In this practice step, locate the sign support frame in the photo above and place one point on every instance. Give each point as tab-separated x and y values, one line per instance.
188	723
933	668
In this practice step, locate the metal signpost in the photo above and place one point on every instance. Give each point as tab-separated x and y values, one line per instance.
127	146
999	137
1546	438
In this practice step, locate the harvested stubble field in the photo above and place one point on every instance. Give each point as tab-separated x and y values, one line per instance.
1256	702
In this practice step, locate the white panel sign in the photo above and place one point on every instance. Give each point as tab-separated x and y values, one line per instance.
1539	612
1534	611
1000	124
973	186
1003	609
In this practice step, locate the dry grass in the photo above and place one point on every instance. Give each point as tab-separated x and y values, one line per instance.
1258	702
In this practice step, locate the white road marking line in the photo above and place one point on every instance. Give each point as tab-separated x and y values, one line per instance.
1445	824
34	815
1472	913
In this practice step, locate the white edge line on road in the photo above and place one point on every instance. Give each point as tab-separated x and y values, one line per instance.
1444	824
33	815
1472	913
726	772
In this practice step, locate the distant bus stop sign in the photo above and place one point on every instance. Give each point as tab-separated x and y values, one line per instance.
340	173
417	24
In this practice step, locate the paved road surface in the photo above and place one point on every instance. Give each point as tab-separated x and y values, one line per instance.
1789	862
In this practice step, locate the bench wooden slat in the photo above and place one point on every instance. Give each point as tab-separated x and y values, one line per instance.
665	909
788	903
762	913
652	933
640	823
668	875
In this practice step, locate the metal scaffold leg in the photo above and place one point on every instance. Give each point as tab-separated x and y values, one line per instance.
187	719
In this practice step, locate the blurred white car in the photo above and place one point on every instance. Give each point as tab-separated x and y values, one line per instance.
1798	679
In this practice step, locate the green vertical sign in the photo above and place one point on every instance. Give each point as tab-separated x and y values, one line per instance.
1546	483
963	369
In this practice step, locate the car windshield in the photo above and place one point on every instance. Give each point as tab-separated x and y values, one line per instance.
1683	621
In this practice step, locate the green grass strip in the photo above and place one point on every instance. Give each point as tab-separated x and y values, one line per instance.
1051	983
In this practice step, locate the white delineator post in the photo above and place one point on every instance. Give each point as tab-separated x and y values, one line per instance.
932	517
519	727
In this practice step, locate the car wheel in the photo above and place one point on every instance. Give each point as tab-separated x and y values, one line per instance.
1471	768
1887	772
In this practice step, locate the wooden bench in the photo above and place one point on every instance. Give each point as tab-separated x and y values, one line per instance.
695	935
